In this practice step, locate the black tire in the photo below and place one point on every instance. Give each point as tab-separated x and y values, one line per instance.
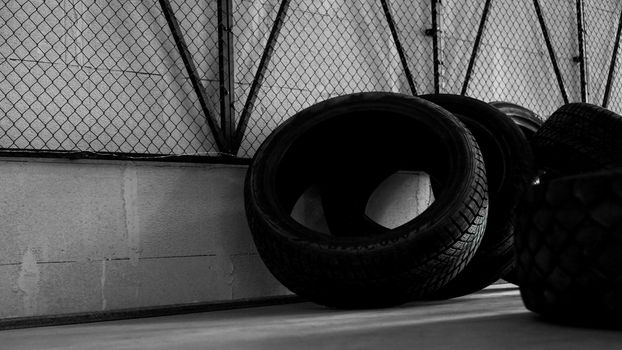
527	120
579	137
570	247
509	169
326	141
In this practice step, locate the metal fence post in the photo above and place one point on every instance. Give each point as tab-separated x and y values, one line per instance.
436	44
226	69
582	59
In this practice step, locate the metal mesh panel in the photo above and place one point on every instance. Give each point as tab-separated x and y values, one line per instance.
512	64
600	32
412	18
253	21
615	101
325	49
561	20
114	76
461	20
103	76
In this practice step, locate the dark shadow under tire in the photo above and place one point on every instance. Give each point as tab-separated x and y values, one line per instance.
570	248
332	139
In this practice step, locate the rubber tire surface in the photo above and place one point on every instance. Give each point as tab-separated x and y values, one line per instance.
510	169
508	162
579	137
569	246
528	121
364	271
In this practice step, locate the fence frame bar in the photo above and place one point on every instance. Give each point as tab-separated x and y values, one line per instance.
582	59
434	31
612	65
398	46
266	57
478	38
551	51
226	74
221	141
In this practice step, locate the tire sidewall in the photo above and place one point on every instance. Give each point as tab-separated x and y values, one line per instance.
260	191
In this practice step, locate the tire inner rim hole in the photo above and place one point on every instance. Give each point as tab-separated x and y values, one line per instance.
309	212
397	200
400	198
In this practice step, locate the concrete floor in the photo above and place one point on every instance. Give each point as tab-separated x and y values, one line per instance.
491	319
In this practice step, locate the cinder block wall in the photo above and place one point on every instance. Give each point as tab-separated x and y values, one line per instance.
82	236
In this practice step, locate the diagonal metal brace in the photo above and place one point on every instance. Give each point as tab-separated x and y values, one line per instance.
612	64
226	67
549	47
259	76
478	39
398	46
582	52
221	143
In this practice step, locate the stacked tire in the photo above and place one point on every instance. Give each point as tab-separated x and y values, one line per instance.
508	163
569	241
348	145
529	123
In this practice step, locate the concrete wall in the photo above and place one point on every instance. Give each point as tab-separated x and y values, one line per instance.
85	236
81	236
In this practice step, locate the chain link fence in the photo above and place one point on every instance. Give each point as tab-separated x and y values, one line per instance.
601	19
512	63
213	78
103	76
